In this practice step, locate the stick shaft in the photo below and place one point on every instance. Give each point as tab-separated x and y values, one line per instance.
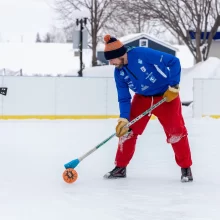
128	125
146	112
96	147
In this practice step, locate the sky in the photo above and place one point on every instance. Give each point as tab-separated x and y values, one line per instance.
20	20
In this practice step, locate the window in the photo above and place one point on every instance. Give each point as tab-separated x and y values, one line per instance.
143	43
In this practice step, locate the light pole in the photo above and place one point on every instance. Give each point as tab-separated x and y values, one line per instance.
81	22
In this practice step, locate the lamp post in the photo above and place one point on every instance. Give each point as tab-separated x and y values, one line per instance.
81	22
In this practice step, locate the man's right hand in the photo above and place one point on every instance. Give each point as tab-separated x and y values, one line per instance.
120	129
171	93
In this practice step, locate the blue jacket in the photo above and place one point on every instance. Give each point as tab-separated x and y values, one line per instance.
148	72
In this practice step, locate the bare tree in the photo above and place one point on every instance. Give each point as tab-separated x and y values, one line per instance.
57	35
184	17
124	26
38	39
47	38
126	20
98	12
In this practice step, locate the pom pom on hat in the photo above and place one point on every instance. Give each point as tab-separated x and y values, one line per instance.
107	38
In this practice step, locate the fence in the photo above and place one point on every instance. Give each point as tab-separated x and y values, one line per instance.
58	98
206	100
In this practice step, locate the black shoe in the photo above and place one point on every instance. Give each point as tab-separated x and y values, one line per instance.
186	175
117	172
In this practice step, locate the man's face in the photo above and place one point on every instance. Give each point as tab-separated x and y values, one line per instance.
117	62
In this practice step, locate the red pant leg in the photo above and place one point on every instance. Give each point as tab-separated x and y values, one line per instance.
126	145
170	116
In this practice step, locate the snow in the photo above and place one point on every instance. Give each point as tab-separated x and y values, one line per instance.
53	59
42	58
58	59
185	56
33	153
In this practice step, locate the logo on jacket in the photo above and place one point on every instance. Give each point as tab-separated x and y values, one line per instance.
122	73
143	69
140	61
131	86
144	87
152	79
148	74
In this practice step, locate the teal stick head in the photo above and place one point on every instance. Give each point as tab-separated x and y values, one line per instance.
72	164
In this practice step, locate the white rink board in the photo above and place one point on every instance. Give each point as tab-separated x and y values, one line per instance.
206	97
59	96
75	96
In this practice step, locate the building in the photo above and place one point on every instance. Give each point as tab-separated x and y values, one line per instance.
215	46
136	40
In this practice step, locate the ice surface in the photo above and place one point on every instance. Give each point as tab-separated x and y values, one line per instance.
33	152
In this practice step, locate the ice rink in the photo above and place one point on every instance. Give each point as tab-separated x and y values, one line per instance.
33	152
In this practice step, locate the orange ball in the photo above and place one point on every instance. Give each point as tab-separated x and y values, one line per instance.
70	175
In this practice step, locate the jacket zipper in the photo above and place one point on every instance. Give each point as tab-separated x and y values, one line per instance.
131	73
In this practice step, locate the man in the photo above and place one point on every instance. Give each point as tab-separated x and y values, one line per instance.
152	75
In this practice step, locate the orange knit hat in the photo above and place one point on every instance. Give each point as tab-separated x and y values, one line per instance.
113	48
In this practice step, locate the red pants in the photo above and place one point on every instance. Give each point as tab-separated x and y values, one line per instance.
170	116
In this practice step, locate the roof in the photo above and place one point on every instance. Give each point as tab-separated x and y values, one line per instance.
216	36
132	37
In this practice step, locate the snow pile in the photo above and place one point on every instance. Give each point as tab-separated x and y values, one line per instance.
185	56
42	58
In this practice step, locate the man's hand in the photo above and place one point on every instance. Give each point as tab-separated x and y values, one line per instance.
120	129
171	93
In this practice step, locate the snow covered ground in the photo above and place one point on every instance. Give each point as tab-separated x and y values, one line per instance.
41	58
55	58
33	152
